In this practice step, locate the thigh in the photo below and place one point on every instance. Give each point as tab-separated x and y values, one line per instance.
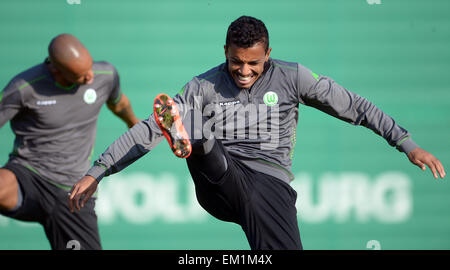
47	204
212	165
9	189
31	208
77	230
269	219
221	193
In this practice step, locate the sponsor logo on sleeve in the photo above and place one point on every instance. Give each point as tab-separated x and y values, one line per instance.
45	102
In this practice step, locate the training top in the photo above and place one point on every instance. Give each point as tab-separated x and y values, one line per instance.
259	123
55	126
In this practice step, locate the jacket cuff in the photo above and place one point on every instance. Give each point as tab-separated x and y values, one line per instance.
98	172
406	145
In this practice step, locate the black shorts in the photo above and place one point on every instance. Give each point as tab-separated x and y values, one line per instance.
263	205
47	204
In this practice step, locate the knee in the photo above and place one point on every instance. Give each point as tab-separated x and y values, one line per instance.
8	189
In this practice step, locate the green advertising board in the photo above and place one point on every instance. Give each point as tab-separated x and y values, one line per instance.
354	190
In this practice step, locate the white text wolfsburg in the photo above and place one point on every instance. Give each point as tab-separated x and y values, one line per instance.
246	259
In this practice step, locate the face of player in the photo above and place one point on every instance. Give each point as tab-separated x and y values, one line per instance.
78	72
246	64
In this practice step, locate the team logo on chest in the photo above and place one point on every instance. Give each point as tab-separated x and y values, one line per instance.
270	98
90	96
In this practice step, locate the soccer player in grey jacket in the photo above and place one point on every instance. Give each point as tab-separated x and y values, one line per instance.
53	109
235	125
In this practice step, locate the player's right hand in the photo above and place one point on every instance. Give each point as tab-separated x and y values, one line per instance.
82	190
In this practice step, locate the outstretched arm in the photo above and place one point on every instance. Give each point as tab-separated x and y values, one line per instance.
128	148
136	142
324	94
124	111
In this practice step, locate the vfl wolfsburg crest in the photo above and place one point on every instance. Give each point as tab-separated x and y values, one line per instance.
270	98
90	96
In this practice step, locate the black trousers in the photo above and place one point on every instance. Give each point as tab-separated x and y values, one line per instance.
47	204
262	205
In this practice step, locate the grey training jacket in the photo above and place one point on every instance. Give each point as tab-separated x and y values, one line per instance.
256	125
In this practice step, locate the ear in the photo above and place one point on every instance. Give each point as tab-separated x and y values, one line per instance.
268	54
226	50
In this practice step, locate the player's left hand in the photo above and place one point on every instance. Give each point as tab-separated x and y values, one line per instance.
82	190
421	158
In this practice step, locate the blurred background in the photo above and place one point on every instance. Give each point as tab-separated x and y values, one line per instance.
352	186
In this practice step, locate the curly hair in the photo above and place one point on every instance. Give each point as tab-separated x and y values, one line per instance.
246	31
